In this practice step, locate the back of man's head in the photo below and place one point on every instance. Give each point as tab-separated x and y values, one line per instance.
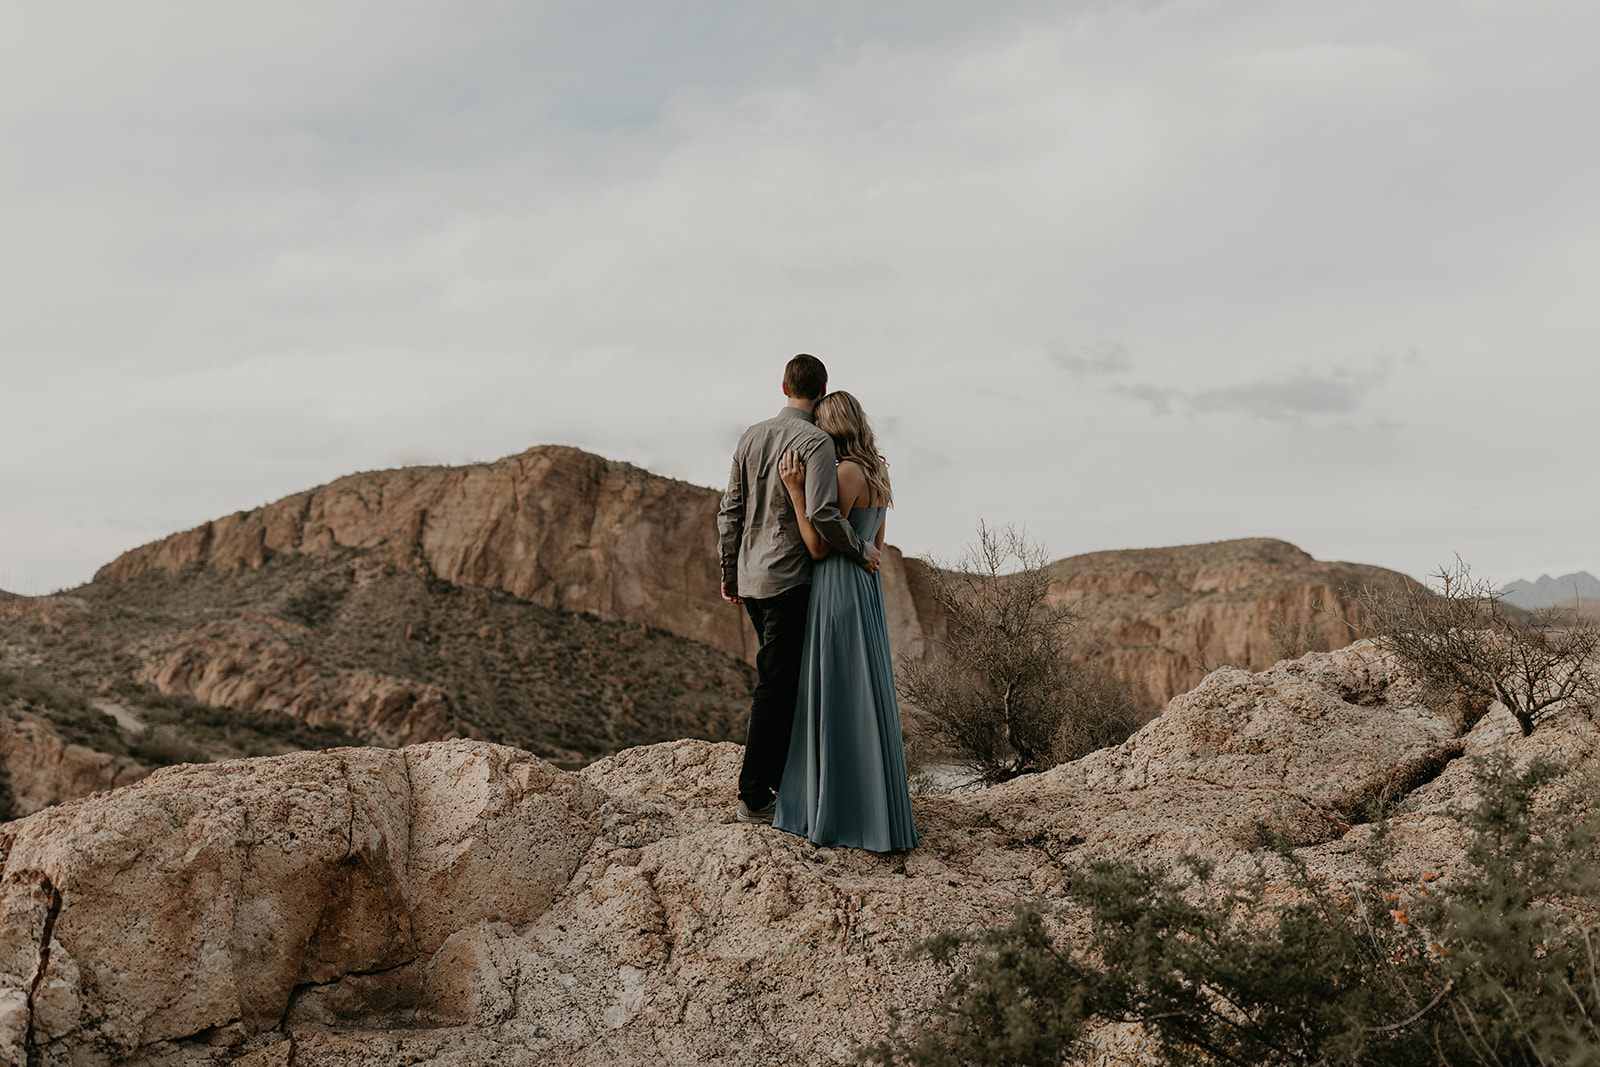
805	378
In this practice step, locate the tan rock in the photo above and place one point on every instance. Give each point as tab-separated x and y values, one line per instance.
204	895
46	770
461	903
566	529
262	664
1164	617
553	525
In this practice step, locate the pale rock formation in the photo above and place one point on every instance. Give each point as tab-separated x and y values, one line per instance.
268	664
1165	617
461	903
202	897
553	525
46	770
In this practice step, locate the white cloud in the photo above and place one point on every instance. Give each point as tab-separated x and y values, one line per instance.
251	251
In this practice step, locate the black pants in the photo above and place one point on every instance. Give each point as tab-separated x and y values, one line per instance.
781	627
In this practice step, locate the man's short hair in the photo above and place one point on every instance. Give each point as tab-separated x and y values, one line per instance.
805	377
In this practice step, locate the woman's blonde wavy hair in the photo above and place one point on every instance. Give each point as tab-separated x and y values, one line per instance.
840	416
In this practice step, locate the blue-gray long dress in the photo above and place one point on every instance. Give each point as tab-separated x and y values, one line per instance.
845	781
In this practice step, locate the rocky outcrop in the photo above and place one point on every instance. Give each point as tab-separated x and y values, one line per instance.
344	647
44	769
260	663
200	900
462	903
1165	617
569	530
554	526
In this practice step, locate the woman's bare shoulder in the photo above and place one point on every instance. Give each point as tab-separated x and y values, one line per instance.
852	483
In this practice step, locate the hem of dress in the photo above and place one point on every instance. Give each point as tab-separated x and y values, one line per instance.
843	844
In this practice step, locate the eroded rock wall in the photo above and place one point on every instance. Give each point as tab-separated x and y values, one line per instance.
1165	617
553	525
45	769
566	529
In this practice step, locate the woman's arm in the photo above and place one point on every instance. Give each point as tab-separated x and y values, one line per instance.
792	469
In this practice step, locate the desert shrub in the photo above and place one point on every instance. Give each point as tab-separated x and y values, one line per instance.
1004	695
69	711
16	685
186	724
1462	642
1099	709
159	746
1495	966
1293	638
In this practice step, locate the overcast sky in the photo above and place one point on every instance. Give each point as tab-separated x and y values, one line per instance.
1131	274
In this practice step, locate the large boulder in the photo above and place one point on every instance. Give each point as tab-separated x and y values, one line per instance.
201	898
44	768
462	903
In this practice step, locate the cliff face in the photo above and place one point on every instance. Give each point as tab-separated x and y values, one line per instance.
1164	617
459	902
554	526
565	529
342	646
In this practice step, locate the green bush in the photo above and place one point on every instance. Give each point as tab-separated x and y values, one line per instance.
1495	966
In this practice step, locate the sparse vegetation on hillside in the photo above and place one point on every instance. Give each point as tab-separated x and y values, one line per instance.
179	729
1463	642
66	709
566	685
1494	966
1004	695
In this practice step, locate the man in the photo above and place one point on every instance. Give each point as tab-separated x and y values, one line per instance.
765	566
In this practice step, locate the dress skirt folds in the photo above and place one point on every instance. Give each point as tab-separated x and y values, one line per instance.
845	779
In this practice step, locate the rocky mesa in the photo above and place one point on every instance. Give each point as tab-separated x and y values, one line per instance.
553	601
1165	617
460	903
564	529
553	526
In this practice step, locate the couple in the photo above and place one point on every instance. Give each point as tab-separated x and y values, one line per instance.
801	536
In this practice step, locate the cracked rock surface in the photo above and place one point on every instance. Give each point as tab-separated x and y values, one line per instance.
463	903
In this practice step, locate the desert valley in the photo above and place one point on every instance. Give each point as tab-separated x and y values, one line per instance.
436	764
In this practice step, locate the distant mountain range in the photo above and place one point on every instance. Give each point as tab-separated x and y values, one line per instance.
1548	590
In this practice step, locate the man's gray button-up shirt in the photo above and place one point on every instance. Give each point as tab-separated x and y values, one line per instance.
760	537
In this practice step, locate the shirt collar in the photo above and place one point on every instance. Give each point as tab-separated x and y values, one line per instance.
787	412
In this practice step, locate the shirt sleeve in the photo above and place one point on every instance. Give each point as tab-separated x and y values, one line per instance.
822	504
730	518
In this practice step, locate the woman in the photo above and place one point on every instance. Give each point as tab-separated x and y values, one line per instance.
845	782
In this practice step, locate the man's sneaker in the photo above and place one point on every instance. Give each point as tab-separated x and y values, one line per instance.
744	814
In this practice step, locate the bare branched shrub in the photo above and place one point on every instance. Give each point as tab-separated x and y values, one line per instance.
1462	642
1099	710
1293	638
1004	695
